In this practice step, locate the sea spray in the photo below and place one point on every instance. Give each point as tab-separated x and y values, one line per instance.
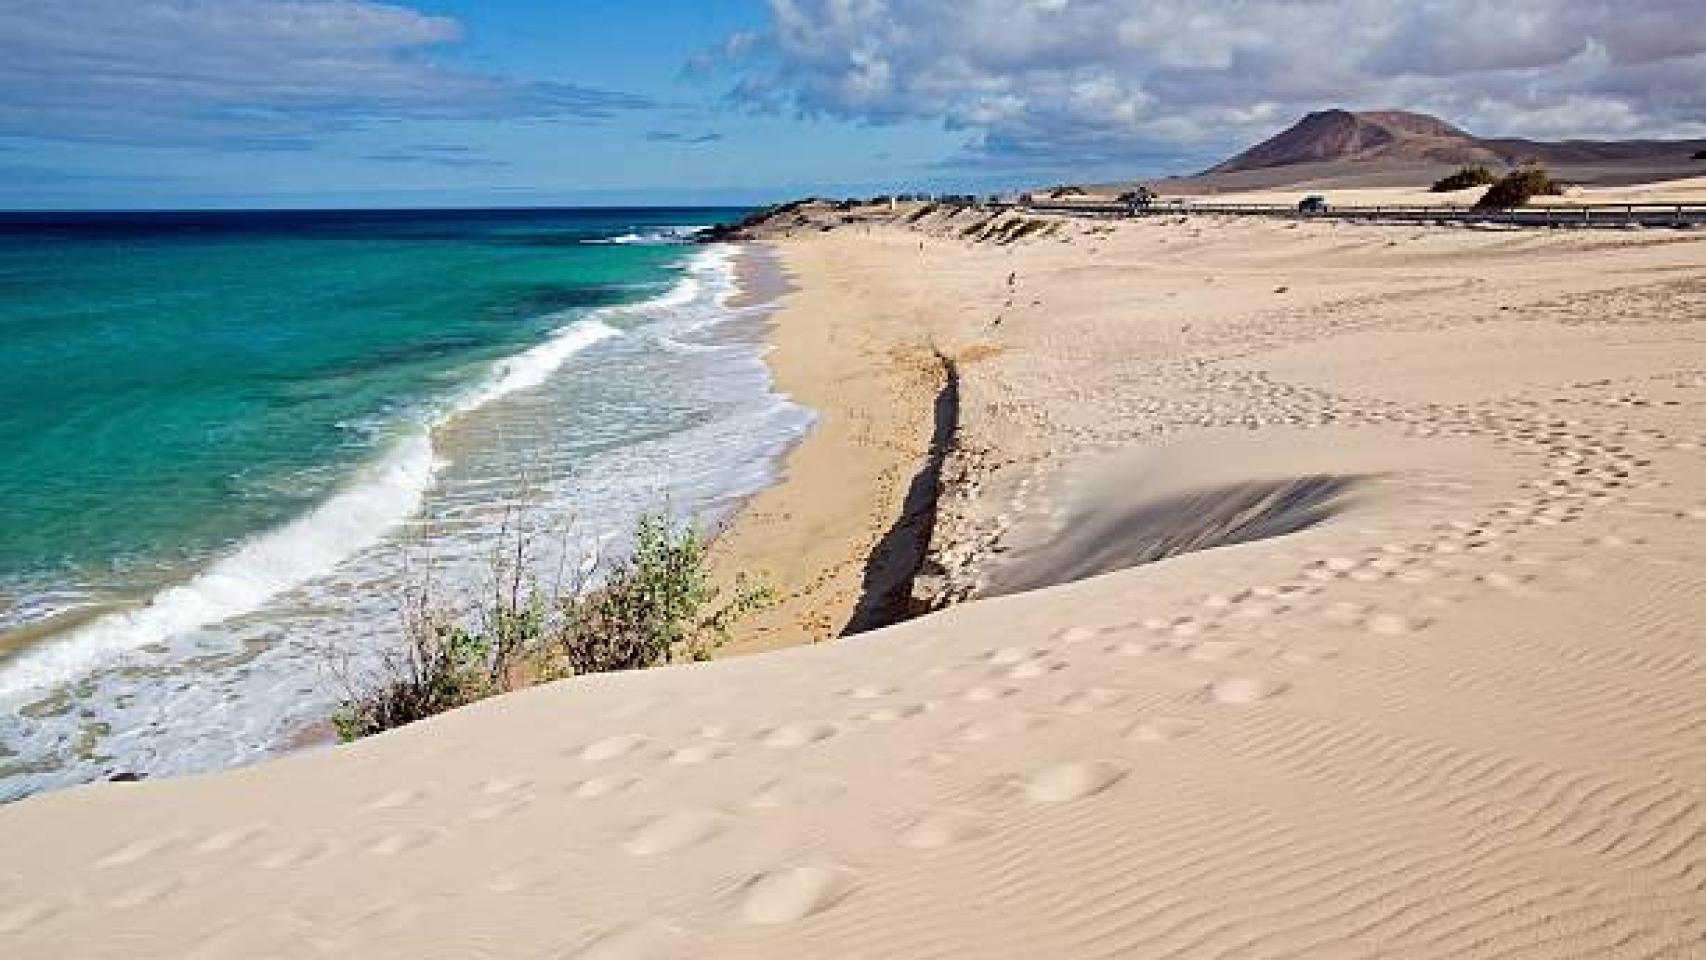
353	520
223	667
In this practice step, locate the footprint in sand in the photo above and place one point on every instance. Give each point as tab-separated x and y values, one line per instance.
600	787
16	918
522	877
1214	651
1187	629
403	841
148	893
893	714
1308	653
611	748
1344	612
796	735
1160	730
395	799
1008	656
501	810
1031	669
1074	780
675	831
791	894
943	828
1242	691
502	786
1077	634
299	856
1000	728
797	792
647	940
1391	625
136	851
984	693
1079	702
231	839
700	753
869	692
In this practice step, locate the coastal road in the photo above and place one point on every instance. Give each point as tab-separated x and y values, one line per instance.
1604	215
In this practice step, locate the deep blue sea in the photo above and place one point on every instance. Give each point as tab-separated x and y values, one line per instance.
230	442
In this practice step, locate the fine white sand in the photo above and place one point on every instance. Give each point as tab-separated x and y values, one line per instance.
1410	664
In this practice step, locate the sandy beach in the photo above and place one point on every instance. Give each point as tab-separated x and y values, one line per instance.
863	364
1310	590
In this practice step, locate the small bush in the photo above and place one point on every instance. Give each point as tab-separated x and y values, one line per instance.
1699	155
1517	188
656	606
1463	179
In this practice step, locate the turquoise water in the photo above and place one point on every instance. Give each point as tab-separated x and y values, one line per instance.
218	429
174	386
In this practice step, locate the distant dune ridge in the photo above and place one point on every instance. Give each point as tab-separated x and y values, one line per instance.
1405	137
1393	147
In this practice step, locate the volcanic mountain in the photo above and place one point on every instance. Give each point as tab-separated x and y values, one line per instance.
1400	138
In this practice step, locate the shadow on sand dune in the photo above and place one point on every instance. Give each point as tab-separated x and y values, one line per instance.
886	597
1118	536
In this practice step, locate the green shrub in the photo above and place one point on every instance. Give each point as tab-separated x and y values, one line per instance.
1463	179
658	605
440	667
1517	188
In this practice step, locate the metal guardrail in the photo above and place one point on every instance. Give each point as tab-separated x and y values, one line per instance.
1539	215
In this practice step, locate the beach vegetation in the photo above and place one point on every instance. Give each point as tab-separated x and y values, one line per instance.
657	604
1518	187
1463	179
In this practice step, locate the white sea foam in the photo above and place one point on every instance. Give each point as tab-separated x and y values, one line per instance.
241	582
191	709
657	236
381	497
531	367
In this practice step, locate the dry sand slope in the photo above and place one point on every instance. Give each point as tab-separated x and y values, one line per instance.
1436	691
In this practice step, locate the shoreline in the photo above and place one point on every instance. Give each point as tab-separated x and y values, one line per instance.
818	535
1326	589
438	434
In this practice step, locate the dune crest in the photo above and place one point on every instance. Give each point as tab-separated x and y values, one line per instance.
1447	705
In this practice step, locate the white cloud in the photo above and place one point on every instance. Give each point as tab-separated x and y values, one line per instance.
263	72
1106	80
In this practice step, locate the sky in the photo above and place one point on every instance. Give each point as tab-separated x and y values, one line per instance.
341	103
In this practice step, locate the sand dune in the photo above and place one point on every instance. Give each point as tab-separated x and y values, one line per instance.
1447	705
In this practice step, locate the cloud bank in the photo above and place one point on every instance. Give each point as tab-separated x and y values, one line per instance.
246	72
1042	81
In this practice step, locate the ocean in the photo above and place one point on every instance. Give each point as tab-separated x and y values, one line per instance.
230	443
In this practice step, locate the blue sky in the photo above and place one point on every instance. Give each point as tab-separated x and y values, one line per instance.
174	103
672	135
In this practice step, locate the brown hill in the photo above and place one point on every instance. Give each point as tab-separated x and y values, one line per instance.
1399	138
